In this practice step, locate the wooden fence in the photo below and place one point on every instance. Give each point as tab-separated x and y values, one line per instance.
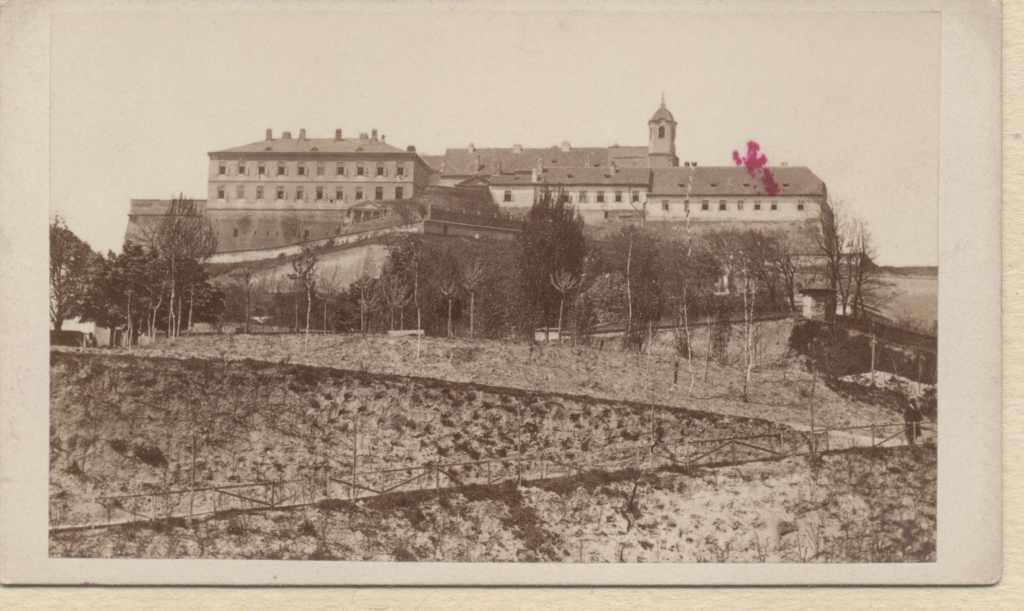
346	483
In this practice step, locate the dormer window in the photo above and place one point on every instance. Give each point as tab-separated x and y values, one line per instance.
661	131
714	184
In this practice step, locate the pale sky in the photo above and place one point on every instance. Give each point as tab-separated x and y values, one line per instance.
138	99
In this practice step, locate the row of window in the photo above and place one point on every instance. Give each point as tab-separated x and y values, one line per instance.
584	197
300	193
320	168
723	206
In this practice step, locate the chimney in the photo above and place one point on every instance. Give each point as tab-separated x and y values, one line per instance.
471	148
302	134
363	136
270	134
287	135
337	135
382	137
517	148
374	132
410	148
686	165
565	146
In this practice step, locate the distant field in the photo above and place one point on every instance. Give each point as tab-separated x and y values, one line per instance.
912	301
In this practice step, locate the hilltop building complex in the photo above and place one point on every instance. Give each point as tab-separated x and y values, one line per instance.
281	191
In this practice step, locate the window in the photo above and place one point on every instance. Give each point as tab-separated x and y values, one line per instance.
757	204
319	168
661	131
618	197
240	193
302	169
319	193
664	205
259	194
606	214
360	170
378	193
583	197
721	204
600	197
508	195
775	207
339	194
236	233
739	205
299	194
305	235
223	169
399	192
280	193
400	170
381	171
241	167
341	169
568	199
262	169
800	206
705	204
281	170
220	193
359	195
636	196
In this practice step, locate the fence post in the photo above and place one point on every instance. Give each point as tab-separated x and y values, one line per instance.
488	473
437	477
872	435
873	340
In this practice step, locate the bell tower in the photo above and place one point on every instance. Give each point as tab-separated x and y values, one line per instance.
661	148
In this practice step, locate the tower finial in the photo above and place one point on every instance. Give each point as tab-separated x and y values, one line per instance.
662	98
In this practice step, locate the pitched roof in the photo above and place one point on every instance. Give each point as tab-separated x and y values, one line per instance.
578	176
470	200
313	145
434	162
732	180
506	160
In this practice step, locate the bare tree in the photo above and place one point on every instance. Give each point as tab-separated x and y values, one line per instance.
184	241
395	292
471	280
304	267
564	283
328	286
449	288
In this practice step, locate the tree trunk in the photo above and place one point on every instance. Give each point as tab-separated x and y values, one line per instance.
309	308
449	318
561	306
247	309
472	304
191	304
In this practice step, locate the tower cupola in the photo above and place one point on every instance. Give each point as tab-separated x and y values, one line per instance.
661	148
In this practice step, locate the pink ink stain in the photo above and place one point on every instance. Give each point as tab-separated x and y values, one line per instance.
756	165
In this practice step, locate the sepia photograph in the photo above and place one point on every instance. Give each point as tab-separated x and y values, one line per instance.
392	290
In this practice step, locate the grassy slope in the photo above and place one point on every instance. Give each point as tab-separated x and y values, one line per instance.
778	391
125	425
